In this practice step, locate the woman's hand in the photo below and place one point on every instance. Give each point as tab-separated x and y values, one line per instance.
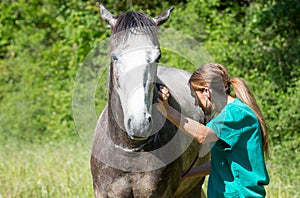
163	96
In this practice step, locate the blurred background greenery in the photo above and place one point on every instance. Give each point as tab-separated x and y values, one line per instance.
43	44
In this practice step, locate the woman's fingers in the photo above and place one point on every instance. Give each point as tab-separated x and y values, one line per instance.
164	93
163	96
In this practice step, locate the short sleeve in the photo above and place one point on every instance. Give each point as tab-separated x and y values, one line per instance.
229	125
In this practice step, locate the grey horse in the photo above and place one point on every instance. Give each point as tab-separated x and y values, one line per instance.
136	151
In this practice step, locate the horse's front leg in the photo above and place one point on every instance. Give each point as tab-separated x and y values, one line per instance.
109	182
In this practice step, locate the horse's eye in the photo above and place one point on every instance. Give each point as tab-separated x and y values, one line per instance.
114	58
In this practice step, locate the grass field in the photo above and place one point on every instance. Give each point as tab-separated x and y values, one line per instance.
50	170
62	170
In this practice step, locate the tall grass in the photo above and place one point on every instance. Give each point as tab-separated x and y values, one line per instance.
284	171
62	170
49	170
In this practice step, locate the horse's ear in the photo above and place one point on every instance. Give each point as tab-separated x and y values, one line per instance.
163	17
107	16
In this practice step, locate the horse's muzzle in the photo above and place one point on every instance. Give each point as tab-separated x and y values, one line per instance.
139	129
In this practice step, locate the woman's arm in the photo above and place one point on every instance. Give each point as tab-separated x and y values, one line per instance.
198	131
198	171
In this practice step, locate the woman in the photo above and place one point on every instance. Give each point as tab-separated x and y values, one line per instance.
238	133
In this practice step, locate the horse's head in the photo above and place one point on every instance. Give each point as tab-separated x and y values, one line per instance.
135	53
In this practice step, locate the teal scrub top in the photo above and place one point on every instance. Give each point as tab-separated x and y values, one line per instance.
237	158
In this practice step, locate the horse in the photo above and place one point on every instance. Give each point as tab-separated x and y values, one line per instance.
136	151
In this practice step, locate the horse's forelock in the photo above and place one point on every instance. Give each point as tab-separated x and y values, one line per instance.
137	22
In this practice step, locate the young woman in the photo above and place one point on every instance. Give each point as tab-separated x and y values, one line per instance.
238	134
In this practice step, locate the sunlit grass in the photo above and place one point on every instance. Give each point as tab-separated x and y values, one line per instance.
62	170
284	171
50	170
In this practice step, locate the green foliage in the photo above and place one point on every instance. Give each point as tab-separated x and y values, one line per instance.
43	45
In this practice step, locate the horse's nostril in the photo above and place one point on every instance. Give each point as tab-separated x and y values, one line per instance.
148	116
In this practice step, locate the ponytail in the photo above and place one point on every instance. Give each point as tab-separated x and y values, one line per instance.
243	92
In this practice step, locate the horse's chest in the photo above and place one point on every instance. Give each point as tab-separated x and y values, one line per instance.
145	184
134	185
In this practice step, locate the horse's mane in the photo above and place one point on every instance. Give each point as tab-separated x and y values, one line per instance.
136	23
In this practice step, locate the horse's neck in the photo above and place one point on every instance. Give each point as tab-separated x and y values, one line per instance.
117	133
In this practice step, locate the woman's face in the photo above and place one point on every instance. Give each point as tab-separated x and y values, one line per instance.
211	97
210	101
204	100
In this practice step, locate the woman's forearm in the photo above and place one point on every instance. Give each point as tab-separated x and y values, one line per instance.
193	128
198	171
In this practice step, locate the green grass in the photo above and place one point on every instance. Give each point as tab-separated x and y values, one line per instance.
49	170
62	170
284	171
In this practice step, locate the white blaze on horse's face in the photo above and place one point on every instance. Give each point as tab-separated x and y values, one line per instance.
135	68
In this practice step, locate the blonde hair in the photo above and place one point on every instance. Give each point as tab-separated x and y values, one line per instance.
214	73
